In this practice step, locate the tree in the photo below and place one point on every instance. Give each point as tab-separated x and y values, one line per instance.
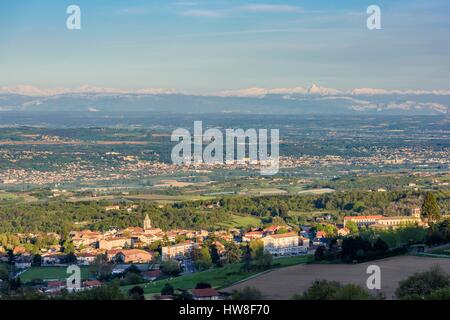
380	245
352	292
333	290
136	293
260	258
233	253
10	254
111	291
4	272
171	268
215	256
101	268
320	290
133	269
37	260
358	206
248	293
202	258
422	284
202	285
184	295
68	247
352	226
329	229
440	294
247	256
133	278
167	290
355	247
263	260
283	210
15	284
71	258
319	254
430	207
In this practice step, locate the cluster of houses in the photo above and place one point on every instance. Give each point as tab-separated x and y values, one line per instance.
130	245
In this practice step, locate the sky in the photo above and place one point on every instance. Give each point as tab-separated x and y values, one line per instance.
209	46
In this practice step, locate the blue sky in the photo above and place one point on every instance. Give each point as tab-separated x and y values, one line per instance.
209	46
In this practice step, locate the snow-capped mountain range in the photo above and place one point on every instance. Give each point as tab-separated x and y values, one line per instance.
314	89
295	100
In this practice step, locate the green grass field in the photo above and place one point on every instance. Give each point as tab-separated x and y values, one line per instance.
241	222
217	277
7	196
160	198
443	251
50	273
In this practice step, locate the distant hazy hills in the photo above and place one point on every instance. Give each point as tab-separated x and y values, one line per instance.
298	100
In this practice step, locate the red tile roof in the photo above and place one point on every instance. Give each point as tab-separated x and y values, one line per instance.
206	292
152	273
283	235
363	217
92	283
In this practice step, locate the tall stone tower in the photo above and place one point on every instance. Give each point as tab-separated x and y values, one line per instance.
147	223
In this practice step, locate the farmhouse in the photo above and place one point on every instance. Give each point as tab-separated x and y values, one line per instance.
206	294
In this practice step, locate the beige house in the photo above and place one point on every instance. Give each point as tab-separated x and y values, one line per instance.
132	256
283	244
177	251
85	238
114	242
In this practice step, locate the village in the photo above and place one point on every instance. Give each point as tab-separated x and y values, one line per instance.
147	247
